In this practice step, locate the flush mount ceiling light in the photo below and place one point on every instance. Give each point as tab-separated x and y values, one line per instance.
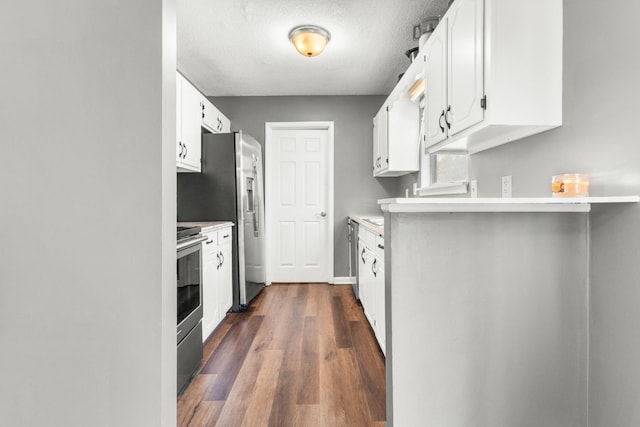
309	40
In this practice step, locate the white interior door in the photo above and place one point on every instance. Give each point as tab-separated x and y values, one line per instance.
299	202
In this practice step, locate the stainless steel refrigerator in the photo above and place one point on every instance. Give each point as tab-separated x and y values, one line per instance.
231	188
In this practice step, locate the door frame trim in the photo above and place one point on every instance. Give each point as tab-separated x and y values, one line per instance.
269	127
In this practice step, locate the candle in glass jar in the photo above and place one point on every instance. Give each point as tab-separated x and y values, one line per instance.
570	185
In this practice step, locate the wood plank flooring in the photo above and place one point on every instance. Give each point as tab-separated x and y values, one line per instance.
302	355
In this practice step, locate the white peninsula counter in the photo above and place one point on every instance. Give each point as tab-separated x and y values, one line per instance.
487	310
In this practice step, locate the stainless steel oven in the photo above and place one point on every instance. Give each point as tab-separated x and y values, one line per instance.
189	304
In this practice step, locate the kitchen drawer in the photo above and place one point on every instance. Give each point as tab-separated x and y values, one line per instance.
211	244
379	248
224	236
367	237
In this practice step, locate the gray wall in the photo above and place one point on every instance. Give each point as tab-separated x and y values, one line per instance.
489	319
356	191
599	137
87	217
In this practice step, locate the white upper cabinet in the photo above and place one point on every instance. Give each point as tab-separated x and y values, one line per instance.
465	65
194	112
396	129
188	128
493	73
213	119
380	141
436	76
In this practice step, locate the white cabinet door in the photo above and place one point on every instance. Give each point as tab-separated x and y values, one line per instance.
380	301
380	140
436	93
210	266
370	296
210	118
225	278
191	126
188	126
225	124
213	119
364	275
465	48
179	147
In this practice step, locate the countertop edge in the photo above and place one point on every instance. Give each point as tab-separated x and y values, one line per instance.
524	204
371	227
208	226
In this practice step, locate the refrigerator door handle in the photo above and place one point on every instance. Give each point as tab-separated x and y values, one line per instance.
256	211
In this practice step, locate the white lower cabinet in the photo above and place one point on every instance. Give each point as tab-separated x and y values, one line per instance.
371	282
378	289
217	281
225	284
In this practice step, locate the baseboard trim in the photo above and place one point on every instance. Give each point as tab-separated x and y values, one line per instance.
344	280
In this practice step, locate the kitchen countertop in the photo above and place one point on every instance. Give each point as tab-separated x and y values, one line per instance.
377	226
207	226
519	204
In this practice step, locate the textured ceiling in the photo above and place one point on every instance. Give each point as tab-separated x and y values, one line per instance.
241	47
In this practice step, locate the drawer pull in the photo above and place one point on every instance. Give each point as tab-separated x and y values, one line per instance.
380	246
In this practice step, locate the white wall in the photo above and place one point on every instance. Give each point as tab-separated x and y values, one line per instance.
87	189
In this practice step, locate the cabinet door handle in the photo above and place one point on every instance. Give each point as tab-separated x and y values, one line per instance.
380	246
219	264
208	242
184	156
373	267
181	149
362	256
221	256
440	121
446	117
226	236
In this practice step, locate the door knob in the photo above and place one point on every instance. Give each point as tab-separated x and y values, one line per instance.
323	214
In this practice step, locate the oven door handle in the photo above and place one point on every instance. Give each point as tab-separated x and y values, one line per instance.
190	243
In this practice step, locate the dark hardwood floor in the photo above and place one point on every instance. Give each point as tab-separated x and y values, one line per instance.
302	355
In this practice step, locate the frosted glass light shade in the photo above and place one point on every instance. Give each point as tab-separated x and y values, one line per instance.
309	40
